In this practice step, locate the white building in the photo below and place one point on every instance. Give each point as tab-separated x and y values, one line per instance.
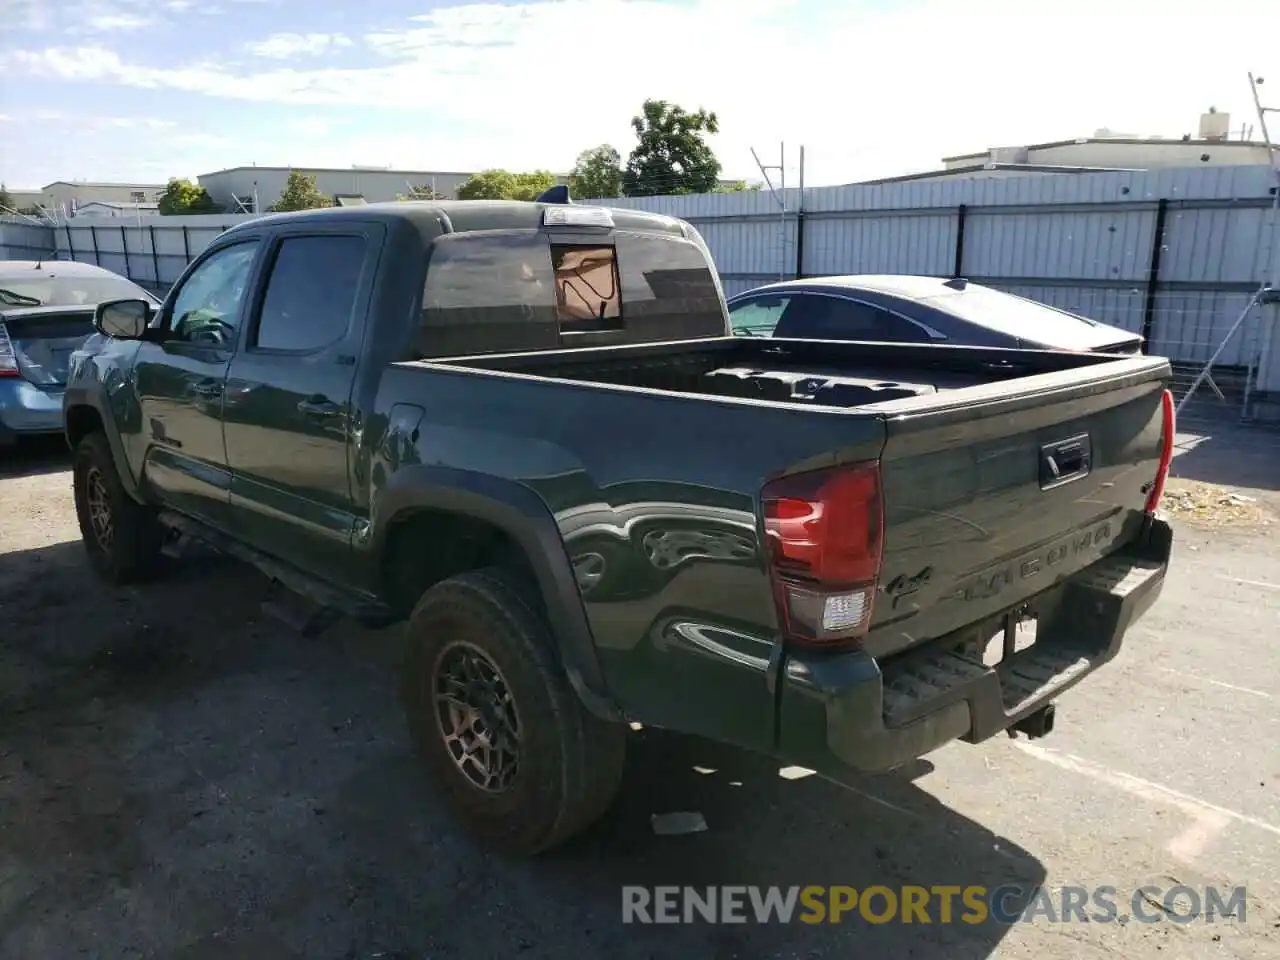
1106	150
237	189
25	199
65	197
101	208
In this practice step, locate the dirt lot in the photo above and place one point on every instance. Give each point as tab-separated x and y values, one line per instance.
179	777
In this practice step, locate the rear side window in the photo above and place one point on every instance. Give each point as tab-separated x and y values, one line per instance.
1018	317
817	317
488	293
668	289
310	293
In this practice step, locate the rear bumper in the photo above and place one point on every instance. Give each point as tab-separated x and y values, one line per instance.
844	713
25	408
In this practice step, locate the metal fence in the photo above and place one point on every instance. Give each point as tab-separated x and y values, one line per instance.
20	239
1176	255
1173	254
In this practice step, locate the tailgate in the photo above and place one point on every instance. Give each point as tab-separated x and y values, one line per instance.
995	493
44	340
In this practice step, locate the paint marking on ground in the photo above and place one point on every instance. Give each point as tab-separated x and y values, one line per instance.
1216	683
1191	842
873	798
1205	816
1251	583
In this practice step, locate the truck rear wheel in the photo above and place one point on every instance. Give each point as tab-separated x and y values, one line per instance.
523	765
122	537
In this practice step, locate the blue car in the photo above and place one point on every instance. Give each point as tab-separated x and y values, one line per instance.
46	312
911	309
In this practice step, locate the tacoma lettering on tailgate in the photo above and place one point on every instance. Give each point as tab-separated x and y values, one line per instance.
991	582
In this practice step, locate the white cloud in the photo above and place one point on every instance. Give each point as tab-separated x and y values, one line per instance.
132	123
286	46
79	16
105	22
308	127
199	140
80	122
870	90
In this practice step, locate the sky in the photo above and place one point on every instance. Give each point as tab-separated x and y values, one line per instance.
145	90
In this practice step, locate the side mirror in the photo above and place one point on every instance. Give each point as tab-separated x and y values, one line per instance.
122	319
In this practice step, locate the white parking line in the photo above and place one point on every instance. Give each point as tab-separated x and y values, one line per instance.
1216	683
1207	819
1252	583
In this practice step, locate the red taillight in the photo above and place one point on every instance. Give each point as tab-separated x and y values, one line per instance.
1166	452
8	360
825	532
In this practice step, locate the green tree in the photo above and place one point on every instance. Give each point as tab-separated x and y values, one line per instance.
597	173
184	197
6	199
672	155
504	185
737	186
300	193
488	185
529	185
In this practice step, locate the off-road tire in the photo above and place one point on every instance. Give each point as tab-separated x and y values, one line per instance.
132	552
570	762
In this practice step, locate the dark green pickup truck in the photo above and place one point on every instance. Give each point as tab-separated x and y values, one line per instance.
525	429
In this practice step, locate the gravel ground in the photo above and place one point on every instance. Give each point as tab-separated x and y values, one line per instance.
179	777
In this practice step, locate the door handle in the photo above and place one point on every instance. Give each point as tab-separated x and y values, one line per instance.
319	407
208	389
1065	460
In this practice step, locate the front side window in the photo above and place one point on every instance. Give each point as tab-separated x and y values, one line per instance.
311	292
207	308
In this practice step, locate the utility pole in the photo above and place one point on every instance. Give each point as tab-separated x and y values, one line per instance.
1267	297
780	197
800	221
1274	159
1270	295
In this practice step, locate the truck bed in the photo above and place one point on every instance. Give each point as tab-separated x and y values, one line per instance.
811	373
975	525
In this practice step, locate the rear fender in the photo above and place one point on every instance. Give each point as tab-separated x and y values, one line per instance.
524	517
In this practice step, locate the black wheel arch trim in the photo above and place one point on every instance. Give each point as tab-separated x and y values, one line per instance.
91	399
520	513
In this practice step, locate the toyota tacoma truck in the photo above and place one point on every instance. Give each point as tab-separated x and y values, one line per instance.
526	431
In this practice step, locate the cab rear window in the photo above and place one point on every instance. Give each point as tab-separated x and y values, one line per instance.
506	291
588	296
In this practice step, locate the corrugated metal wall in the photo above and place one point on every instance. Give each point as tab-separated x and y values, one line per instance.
20	239
1081	242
